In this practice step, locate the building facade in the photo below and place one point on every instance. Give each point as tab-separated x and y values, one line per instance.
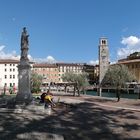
8	73
133	64
49	72
96	74
89	69
52	73
76	68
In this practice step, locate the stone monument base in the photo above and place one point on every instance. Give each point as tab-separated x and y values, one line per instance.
24	97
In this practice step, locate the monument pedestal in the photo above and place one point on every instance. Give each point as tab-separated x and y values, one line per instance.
24	92
24	98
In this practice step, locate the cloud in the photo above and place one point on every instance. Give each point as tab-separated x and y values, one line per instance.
94	62
13	55
2	47
132	44
113	62
48	59
130	41
4	55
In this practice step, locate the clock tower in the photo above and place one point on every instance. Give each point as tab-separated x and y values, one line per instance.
103	59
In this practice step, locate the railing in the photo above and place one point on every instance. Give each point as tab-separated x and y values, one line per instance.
109	88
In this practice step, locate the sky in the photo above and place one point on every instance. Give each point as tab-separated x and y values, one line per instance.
69	30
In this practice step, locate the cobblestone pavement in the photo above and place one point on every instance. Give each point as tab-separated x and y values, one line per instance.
84	118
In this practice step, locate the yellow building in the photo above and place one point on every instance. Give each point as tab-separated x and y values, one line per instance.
133	64
96	74
76	68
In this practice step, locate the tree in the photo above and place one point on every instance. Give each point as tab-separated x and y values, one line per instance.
36	81
80	80
117	76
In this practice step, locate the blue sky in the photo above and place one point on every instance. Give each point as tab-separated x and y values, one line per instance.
69	30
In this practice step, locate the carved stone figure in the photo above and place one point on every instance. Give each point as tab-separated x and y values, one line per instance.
24	44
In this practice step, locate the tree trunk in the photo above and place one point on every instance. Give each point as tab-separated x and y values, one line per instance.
65	90
78	91
84	91
139	95
118	93
74	90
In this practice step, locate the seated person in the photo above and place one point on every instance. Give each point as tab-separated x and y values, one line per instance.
48	99
42	97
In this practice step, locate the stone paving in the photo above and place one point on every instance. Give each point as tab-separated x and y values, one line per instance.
84	118
128	104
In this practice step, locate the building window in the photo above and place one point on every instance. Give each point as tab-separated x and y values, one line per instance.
5	76
10	64
10	76
5	69
10	69
13	64
13	76
5	64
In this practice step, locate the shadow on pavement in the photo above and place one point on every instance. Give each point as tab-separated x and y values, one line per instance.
84	121
102	100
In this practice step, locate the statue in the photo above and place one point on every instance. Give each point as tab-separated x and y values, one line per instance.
24	44
24	71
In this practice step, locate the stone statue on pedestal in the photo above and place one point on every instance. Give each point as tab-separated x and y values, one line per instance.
24	69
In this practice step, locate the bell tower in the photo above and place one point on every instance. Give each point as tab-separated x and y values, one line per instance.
103	59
